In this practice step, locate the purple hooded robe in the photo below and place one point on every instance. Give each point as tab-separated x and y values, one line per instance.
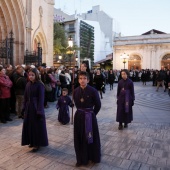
125	101
62	105
34	130
85	122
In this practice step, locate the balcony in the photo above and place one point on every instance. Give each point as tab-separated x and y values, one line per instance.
71	30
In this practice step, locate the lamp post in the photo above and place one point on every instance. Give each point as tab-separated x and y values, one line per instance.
124	57
70	45
39	54
76	60
59	57
60	60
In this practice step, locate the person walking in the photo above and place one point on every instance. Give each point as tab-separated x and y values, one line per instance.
34	132
160	80
125	100
99	82
111	79
86	134
63	105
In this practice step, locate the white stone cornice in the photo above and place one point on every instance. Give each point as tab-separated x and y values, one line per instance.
51	2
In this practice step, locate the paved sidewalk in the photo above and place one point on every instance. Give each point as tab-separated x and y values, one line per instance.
145	145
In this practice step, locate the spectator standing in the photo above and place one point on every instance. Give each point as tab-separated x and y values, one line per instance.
53	83
5	86
45	79
19	85
68	80
62	79
144	77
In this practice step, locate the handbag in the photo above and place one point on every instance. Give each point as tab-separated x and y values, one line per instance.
48	87
58	83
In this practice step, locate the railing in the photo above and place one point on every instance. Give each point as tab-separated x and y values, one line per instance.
71	29
33	57
6	50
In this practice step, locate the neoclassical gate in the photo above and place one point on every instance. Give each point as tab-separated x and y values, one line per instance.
134	62
6	50
165	63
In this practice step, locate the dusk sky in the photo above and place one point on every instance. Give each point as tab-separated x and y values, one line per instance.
130	17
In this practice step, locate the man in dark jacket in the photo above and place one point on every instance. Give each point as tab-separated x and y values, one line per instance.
19	84
160	80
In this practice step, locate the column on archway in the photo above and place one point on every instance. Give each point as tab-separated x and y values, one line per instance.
3	25
20	38
28	25
153	59
10	10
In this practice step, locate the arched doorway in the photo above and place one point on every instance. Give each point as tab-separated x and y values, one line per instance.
12	19
40	38
134	62
165	63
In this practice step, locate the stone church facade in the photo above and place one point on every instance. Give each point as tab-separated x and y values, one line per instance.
150	50
31	22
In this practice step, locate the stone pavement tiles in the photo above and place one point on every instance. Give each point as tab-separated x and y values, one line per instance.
145	145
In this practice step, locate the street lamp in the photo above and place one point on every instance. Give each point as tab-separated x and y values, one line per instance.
59	57
124	57
39	54
70	45
76	60
70	42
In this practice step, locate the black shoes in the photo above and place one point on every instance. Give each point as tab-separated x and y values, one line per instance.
3	121
35	149
120	127
21	117
78	165
125	126
8	119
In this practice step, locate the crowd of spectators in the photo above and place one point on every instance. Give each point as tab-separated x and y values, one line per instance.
13	82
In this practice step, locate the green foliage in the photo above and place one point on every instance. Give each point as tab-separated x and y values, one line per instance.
60	40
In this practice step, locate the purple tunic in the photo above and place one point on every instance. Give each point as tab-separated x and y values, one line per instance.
125	101
34	130
62	105
86	150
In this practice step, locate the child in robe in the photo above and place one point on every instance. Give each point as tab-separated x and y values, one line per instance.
63	105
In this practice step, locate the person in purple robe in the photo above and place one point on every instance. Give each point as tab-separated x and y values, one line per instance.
86	133
34	132
63	105
125	100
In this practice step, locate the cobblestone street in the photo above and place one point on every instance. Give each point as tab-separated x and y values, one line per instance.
145	145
